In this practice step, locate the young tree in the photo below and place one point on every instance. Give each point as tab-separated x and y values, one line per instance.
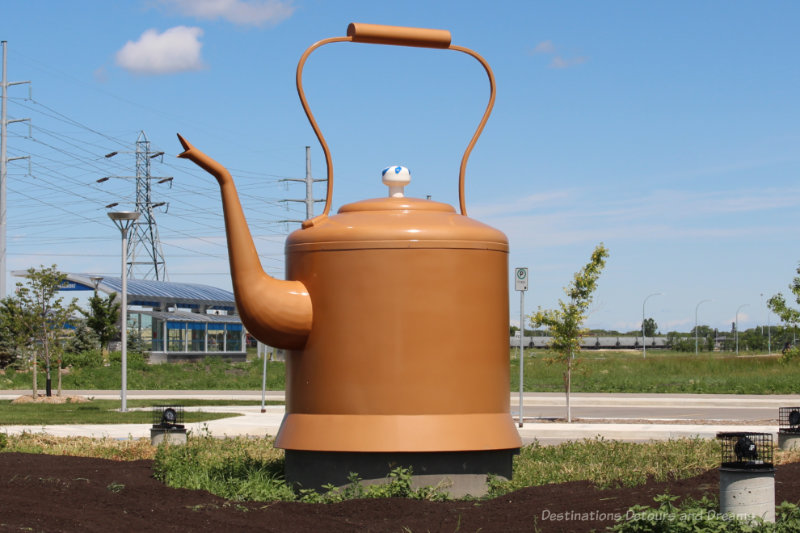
49	316
566	322
777	304
788	315
102	318
83	339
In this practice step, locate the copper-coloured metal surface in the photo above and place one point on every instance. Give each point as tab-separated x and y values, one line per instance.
270	309
396	312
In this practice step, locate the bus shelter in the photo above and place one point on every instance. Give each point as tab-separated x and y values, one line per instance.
175	321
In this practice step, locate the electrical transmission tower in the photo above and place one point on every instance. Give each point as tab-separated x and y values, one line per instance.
309	181
4	122
145	256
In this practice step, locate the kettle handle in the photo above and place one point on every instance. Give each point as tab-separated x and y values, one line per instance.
399	36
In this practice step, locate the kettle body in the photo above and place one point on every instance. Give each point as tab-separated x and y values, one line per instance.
408	350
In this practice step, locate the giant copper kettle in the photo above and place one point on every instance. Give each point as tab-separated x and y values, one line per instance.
395	310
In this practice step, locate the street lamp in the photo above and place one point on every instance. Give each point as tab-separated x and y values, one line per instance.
737	327
769	336
695	323
96	282
124	220
644	339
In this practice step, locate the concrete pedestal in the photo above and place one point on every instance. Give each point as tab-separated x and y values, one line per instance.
173	436
457	473
788	441
747	493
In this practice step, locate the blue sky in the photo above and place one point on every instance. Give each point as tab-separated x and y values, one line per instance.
668	131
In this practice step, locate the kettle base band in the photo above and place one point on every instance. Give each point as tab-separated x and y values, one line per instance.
454	432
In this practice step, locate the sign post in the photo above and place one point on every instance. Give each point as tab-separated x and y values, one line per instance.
521	285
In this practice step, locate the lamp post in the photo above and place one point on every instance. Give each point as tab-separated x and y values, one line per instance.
124	220
695	323
644	338
769	336
737	327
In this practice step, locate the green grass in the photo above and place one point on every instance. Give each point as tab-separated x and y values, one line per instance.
251	469
242	468
93	412
209	374
197	402
663	372
104	448
610	463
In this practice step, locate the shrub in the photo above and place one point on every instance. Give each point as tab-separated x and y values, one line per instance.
7	357
136	360
790	354
85	359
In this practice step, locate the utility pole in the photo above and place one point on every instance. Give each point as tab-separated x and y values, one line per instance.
309	181
4	122
145	256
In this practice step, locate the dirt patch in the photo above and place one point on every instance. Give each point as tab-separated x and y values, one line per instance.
58	493
42	398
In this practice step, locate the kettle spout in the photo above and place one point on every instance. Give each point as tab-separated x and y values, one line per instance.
276	312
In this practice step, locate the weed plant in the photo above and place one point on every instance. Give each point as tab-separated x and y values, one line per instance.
701	515
237	469
242	469
398	485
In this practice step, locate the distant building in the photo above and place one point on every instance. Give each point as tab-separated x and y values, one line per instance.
595	343
176	321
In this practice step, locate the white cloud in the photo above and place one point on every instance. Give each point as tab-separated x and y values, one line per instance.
175	50
558	218
560	62
525	204
544	47
253	13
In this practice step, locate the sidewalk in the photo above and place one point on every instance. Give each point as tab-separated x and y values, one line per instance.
254	423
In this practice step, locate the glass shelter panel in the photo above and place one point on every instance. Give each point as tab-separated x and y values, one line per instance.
197	337
176	336
233	340
216	337
156	335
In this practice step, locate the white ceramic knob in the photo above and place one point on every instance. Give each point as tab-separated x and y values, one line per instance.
396	178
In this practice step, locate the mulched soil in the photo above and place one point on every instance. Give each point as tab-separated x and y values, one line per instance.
58	493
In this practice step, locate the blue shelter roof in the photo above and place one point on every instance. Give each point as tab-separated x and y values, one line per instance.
156	293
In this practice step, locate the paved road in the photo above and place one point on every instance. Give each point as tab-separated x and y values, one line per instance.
636	417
